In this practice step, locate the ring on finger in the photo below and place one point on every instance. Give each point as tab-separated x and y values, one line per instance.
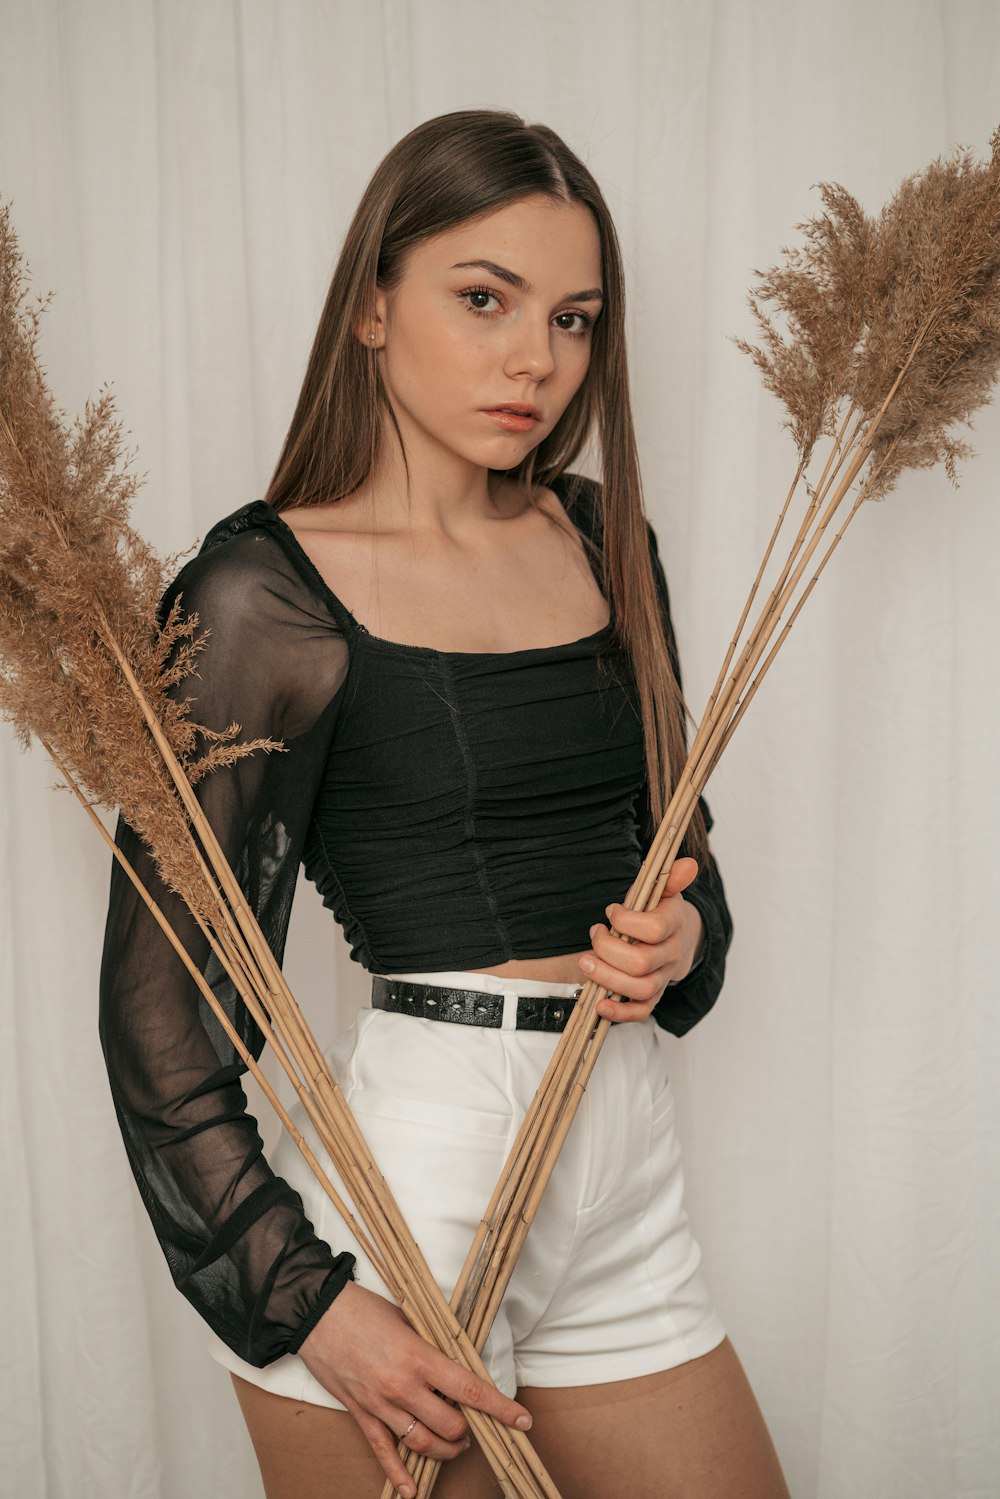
406	1433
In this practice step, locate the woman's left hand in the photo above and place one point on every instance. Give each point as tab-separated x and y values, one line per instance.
665	945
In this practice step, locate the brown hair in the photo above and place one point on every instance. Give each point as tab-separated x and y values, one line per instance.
446	171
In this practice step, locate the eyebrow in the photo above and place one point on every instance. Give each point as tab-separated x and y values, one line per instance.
592	294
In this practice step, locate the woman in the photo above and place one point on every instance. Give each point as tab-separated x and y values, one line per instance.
467	653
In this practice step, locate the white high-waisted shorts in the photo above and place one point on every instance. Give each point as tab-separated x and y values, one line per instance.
607	1285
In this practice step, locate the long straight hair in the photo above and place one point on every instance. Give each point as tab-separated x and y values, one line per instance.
445	172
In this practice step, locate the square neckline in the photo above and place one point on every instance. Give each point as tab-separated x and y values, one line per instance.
383	643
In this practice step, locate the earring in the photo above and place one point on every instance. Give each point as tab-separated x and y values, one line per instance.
371	335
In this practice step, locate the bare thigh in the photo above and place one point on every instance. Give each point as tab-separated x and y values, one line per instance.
312	1452
692	1432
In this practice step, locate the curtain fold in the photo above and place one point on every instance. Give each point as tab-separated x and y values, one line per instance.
182	173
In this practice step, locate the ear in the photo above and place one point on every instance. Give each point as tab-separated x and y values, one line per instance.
374	324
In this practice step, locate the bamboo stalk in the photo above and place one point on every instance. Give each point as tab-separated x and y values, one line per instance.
493	1255
749	693
218	1010
963	206
558	1104
394	1252
803	528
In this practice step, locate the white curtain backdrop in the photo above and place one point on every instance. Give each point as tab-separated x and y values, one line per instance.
182	172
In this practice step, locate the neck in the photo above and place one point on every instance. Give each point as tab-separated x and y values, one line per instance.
444	492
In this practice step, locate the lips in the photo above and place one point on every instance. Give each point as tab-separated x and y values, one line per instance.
512	419
519	408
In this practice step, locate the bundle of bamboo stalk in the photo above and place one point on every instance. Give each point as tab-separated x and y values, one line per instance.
893	336
82	668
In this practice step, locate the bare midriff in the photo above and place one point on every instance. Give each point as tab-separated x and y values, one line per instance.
563	969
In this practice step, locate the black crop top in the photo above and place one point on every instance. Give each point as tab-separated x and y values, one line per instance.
454	810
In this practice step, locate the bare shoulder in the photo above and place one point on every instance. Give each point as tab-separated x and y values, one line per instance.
351	516
338	538
549	503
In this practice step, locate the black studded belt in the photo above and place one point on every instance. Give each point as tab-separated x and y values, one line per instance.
542	1012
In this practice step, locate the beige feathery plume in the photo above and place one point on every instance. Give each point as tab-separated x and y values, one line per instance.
78	583
910	294
891	339
84	668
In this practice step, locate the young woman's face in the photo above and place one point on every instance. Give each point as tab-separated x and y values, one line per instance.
457	339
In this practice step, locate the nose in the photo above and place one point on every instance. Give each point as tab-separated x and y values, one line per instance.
530	349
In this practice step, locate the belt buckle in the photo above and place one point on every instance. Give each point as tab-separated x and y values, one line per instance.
540	1008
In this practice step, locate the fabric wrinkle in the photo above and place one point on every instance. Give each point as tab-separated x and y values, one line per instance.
447	831
470	806
429	1097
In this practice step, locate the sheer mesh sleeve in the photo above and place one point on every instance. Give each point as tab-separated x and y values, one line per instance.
685	1003
235	1236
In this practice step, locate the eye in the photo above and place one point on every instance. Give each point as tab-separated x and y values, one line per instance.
586	323
483	291
480	291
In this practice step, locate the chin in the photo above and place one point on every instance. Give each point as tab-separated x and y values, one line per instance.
500	467
494	465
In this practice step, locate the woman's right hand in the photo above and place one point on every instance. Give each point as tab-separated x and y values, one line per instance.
367	1355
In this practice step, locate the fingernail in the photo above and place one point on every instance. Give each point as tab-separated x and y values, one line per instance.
595	928
607	911
466	1444
523	1422
587	964
408	1491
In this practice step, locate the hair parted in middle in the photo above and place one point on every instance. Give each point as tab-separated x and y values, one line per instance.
445	172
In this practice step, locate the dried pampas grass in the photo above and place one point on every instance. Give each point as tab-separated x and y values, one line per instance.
891	339
886	336
79	590
896	312
84	668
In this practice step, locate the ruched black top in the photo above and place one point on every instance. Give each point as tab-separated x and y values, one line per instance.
454	810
